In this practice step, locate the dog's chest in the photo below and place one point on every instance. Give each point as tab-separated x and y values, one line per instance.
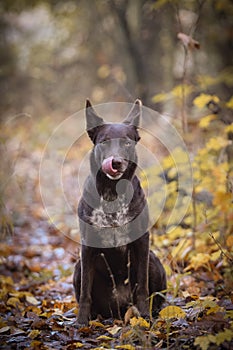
111	213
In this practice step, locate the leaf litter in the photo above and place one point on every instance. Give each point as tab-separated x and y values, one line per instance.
38	309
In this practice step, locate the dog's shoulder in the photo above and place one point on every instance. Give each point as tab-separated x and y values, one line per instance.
89	200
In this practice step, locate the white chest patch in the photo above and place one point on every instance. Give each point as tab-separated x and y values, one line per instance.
111	214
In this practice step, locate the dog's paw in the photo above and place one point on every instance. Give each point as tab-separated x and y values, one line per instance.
143	308
81	322
80	325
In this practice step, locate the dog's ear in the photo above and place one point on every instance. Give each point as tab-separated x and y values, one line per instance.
133	118
93	121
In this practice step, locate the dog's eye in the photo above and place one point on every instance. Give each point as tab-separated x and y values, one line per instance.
104	142
127	143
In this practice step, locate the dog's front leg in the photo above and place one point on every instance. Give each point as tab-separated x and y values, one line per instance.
87	274
141	256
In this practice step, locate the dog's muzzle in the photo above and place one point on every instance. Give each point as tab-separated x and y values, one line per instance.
114	167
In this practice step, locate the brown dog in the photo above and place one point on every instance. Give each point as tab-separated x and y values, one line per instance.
116	268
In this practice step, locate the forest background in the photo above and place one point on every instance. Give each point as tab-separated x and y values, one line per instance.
177	57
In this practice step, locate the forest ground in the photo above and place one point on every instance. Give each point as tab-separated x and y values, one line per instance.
38	308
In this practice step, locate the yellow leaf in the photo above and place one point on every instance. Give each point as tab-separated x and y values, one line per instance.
180	156
197	261
213	309
226	335
203	342
35	344
168	270
104	71
96	324
171	188
177	232
181	250
126	335
126	346
172	173
229	128
141	322
216	255
223	199
206	80
159	97
104	337
204	122
229	104
181	89
13	302
6	280
172	312
78	345
34	333
229	241
216	143
218	339
168	162
203	99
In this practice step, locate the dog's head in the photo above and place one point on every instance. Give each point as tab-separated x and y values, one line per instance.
114	144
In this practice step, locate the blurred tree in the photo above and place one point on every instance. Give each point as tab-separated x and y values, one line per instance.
54	54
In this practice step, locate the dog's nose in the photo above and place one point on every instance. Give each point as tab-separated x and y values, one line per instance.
117	163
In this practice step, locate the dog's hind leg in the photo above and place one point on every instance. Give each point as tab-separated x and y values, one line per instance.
140	263
157	281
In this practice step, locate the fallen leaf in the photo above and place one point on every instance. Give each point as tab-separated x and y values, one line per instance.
182	89
4	329
131	312
141	322
199	261
205	121
159	97
77	345
203	100
229	128
114	330
17	331
32	300
203	342
227	334
172	312
104	337
35	344
126	346
96	324
15	302
229	241
229	104
34	333
85	330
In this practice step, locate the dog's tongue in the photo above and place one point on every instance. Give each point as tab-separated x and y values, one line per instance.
107	167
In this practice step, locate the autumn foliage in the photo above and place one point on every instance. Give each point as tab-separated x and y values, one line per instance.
38	309
38	251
